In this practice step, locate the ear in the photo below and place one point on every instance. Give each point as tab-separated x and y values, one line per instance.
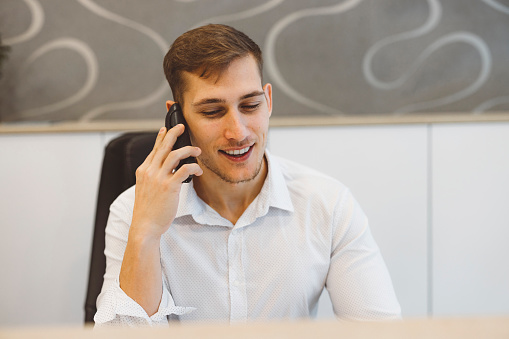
168	104
268	96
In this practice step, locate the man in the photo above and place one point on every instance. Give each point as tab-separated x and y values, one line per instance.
253	236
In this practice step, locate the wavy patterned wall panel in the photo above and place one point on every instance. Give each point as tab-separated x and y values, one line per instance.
89	60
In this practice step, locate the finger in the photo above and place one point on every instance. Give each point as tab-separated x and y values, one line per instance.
159	139
166	145
177	155
185	171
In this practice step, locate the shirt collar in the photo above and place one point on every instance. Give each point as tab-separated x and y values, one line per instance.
277	191
274	193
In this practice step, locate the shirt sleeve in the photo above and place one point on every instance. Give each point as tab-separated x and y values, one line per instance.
114	307
358	282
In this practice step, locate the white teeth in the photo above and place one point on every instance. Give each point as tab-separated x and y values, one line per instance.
238	151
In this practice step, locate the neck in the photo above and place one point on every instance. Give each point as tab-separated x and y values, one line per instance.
230	200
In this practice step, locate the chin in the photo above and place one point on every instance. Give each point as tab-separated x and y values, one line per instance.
238	178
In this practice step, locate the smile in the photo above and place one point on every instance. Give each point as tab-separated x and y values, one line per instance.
238	155
238	152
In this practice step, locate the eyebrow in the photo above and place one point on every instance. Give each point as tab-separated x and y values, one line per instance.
217	100
252	94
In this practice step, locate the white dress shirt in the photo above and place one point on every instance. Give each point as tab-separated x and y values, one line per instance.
303	232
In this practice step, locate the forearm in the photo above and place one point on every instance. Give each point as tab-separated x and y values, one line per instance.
155	206
140	274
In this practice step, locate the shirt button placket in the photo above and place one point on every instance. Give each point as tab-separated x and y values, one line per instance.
236	280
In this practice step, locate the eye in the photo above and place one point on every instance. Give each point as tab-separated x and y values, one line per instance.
211	112
250	107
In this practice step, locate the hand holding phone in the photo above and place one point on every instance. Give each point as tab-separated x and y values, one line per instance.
155	207
173	118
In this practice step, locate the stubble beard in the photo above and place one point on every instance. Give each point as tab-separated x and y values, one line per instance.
229	179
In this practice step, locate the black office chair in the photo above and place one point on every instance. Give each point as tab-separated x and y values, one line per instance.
122	157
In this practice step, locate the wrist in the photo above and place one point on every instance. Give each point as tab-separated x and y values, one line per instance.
144	234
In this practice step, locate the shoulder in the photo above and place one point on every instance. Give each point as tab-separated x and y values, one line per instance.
320	201
309	180
310	188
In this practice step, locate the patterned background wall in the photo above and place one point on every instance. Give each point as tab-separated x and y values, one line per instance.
87	60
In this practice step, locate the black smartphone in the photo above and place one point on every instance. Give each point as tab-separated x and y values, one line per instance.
173	118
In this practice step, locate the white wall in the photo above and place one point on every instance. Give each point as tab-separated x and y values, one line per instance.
436	196
470	191
48	187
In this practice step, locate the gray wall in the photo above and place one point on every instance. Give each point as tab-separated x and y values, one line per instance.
88	60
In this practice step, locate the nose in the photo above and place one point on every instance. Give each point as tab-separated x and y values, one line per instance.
235	126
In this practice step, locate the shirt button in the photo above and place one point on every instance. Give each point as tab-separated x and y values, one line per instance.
236	283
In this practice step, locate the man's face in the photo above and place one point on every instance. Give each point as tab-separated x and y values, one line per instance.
228	118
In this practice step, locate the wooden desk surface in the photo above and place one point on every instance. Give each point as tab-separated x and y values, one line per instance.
461	328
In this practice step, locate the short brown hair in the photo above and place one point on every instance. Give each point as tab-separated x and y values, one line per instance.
206	50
